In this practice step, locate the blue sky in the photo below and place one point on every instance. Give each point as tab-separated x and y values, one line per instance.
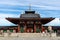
13	8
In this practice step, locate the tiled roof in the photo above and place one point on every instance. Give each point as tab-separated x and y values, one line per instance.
30	16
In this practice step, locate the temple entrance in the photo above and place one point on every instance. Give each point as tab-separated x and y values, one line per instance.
30	28
22	28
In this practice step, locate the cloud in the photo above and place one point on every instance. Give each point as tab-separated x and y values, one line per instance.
4	22
55	22
2	15
43	4
9	2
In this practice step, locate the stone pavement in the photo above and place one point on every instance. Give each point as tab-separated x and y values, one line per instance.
29	38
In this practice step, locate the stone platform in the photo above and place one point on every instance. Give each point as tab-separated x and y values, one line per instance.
29	36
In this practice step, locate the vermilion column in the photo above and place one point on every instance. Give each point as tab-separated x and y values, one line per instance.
25	27
18	28
34	28
43	29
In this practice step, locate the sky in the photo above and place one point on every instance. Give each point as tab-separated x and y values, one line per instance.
13	8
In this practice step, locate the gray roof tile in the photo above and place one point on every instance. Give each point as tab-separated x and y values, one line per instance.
30	16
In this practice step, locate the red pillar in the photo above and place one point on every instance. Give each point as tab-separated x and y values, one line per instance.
18	29
25	27
43	29
34	28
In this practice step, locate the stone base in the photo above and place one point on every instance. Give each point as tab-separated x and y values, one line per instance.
28	35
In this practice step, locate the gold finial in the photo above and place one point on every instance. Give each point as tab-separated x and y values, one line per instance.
29	6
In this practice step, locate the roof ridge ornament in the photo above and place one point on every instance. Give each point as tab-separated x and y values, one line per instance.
29	7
